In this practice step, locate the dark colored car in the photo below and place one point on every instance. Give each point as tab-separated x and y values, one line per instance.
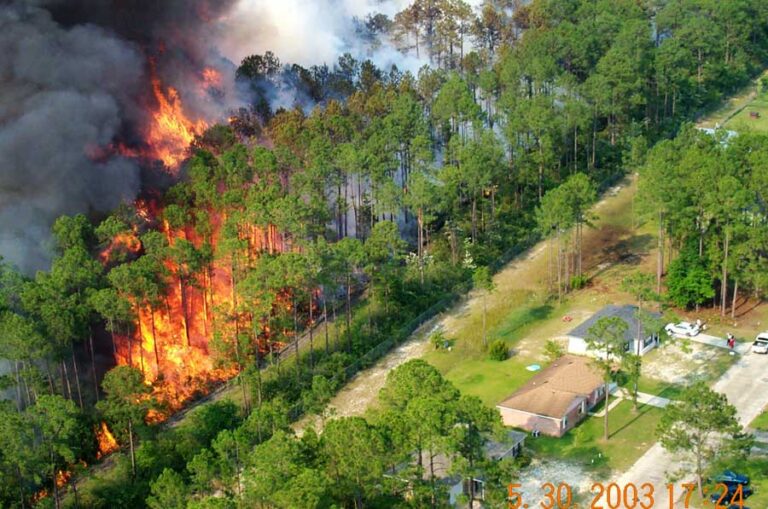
731	477
737	506
717	493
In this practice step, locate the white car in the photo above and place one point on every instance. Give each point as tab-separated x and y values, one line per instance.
682	329
761	343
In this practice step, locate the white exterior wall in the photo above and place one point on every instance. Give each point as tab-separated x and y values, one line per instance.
578	346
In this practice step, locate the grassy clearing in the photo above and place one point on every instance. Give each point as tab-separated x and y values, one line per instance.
659	387
727	110
761	421
631	434
469	368
742	121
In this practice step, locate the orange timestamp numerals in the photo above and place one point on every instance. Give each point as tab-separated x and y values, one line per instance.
629	496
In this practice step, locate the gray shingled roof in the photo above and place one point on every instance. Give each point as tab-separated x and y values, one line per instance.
626	313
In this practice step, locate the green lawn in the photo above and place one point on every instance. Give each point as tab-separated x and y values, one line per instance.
658	387
761	422
468	367
631	434
725	113
742	120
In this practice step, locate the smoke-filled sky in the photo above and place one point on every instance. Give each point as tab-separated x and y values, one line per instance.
306	32
73	78
61	92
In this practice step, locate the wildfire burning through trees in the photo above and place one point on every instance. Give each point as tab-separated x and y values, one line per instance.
171	340
106	440
171	132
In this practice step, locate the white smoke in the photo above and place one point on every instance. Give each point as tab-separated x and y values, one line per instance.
308	32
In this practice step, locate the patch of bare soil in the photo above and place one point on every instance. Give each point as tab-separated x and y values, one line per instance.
542	471
676	364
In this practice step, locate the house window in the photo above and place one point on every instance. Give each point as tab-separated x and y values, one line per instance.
565	421
583	406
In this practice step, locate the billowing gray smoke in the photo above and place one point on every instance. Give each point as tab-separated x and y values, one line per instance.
63	93
74	81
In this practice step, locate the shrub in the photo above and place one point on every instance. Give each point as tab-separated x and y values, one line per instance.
579	282
498	350
438	340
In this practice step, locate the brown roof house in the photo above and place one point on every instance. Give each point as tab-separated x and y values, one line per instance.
556	399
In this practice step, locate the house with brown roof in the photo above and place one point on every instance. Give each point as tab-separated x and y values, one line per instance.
555	399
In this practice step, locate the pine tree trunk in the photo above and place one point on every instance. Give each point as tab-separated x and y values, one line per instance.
65	376
325	323
77	379
132	451
559	270
56	500
154	339
660	258
311	334
724	281
93	363
735	294
605	421
184	317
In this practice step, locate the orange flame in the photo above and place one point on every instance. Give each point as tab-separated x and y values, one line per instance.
211	77
171	340
171	131
106	441
62	478
122	243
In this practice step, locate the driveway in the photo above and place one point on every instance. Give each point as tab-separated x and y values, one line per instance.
706	339
745	385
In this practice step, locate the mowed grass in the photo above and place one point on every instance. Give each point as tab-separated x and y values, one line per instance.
631	434
468	367
724	112
761	421
742	121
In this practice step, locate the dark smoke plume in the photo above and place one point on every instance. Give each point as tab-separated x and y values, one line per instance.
75	80
63	93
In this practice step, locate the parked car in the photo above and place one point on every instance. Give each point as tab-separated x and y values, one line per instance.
761	343
682	329
730	477
746	491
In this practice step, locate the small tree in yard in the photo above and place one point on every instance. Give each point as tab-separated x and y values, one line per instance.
632	365
606	340
641	286
483	281
701	422
553	350
126	404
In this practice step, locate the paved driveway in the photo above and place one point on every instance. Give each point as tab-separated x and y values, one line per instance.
706	339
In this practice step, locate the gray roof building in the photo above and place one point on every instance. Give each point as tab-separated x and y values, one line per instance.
578	336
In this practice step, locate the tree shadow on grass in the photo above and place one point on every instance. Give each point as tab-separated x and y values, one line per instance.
642	410
520	318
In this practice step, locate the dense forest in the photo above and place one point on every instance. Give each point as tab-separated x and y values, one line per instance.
301	242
